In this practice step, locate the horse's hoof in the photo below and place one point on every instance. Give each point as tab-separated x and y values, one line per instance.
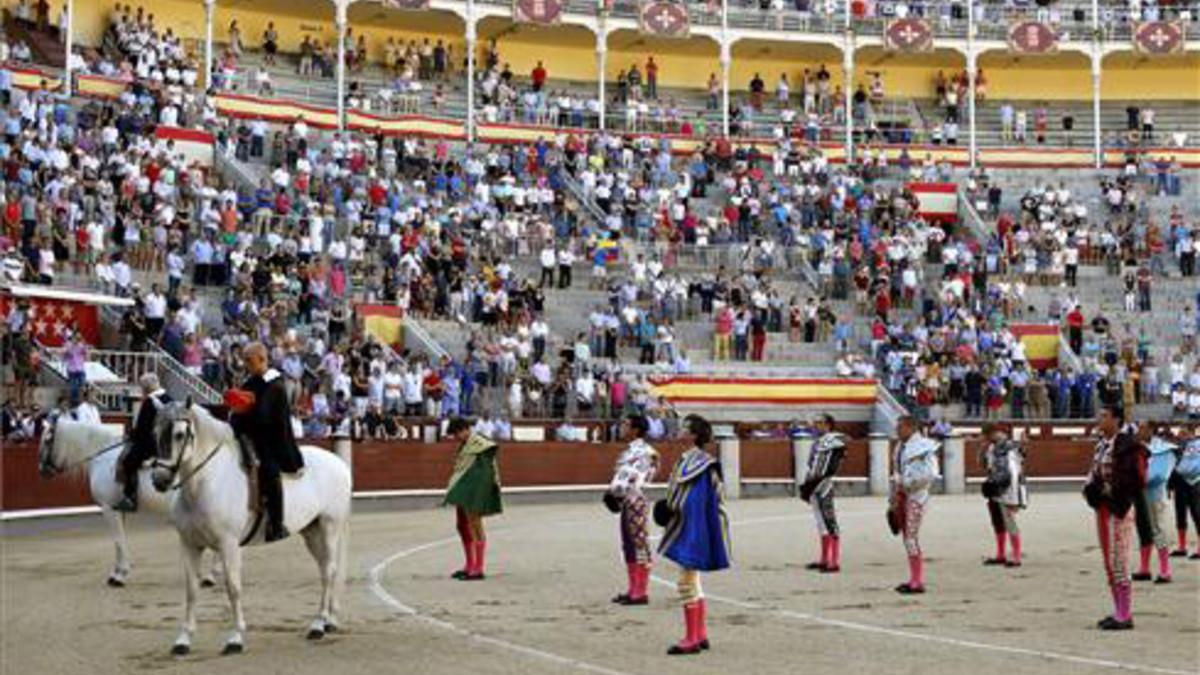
315	634
114	582
180	650
207	583
232	648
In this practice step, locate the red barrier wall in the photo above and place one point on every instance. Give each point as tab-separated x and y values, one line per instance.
411	466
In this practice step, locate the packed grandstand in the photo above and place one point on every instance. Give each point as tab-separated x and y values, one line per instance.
447	213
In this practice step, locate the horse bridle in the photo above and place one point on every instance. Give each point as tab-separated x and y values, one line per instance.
173	467
49	434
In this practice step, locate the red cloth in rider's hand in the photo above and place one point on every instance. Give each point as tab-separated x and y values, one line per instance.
239	400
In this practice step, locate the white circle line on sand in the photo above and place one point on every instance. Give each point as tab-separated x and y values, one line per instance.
922	637
375	583
375	577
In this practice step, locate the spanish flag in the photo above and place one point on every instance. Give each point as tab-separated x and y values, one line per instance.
1041	343
384	322
774	391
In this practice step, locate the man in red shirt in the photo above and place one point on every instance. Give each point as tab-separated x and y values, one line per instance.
1075	329
651	77
538	76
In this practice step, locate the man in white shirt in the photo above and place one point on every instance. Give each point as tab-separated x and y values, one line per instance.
154	308
565	260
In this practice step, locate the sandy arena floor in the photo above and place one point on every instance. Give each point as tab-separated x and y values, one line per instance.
545	607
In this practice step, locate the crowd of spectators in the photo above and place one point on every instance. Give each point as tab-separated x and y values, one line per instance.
481	236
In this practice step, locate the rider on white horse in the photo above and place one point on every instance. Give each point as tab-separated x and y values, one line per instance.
264	422
142	443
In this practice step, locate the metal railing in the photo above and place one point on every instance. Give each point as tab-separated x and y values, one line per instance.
128	367
179	382
887	412
585	200
413	329
970	218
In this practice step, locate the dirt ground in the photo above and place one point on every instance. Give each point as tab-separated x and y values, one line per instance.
545	606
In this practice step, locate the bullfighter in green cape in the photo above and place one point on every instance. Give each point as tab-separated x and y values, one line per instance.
474	490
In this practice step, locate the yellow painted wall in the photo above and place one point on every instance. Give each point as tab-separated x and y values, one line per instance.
572	56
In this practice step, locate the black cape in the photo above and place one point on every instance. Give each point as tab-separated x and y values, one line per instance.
269	423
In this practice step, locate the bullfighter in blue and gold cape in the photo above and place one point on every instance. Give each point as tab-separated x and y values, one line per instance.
697	529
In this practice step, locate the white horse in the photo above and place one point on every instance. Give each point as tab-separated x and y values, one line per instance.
198	456
69	446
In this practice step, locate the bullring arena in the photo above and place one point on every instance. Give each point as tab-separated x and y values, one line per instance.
544	607
888	250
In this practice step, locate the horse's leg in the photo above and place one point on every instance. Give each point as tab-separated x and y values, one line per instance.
116	527
210	573
191	567
231	555
321	539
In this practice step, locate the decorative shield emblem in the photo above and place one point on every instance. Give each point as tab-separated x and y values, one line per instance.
908	35
407	4
1032	37
538	11
1158	37
664	19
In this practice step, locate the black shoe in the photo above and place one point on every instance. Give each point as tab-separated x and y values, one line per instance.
995	561
634	602
1110	623
620	599
908	589
704	645
277	533
126	505
815	566
677	650
830	569
459	574
1179	553
1012	563
1141	576
1194	556
1162	580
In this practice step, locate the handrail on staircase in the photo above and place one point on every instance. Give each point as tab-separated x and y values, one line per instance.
887	412
971	219
169	368
413	328
576	190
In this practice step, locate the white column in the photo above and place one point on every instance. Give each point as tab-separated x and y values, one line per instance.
878	447
471	42
340	25
729	451
972	68
601	68
1097	132
209	8
726	61
954	473
68	45
848	90
1097	58
848	78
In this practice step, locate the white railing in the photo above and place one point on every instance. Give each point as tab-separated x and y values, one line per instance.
179	381
970	218
414	329
887	413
